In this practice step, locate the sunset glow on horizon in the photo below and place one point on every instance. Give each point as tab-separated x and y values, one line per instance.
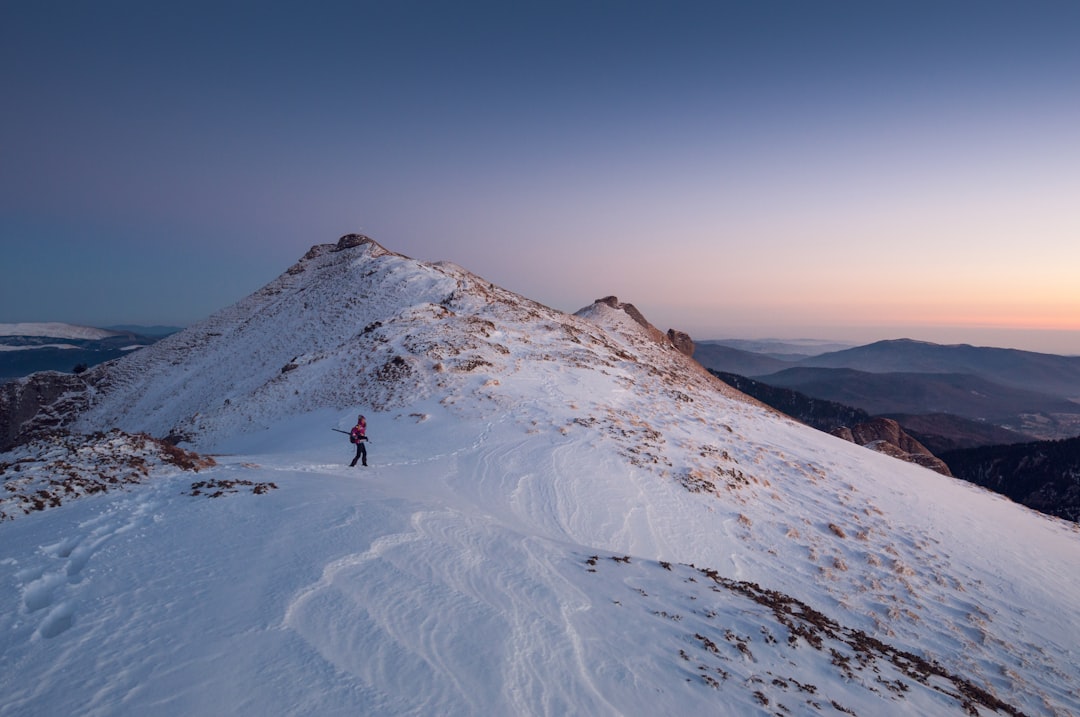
827	169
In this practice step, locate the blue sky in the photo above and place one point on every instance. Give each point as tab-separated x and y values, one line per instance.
844	170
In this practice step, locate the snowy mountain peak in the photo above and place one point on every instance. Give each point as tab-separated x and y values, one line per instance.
353	324
678	340
597	311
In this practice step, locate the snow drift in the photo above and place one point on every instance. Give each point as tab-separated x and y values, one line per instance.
564	515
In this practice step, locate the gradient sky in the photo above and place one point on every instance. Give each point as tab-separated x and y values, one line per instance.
843	170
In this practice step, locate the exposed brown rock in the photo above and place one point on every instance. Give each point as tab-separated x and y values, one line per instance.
677	339
885	435
845	433
682	341
888	430
350	240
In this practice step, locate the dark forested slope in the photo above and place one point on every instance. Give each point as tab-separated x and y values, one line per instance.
1044	475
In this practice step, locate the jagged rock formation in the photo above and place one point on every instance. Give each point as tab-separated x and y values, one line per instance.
353	240
39	403
682	341
886	436
677	339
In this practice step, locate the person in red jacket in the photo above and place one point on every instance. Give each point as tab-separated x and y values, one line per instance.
358	435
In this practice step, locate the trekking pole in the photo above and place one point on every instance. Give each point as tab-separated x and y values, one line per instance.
340	431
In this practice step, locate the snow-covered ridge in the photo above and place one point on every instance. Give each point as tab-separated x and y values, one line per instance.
352	324
56	330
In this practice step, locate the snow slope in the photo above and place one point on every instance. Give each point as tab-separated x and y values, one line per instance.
562	516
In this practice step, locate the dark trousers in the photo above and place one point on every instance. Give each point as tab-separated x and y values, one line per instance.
361	454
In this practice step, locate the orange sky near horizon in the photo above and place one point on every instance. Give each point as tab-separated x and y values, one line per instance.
799	167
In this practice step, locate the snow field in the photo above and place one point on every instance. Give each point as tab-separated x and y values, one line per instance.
561	516
452	577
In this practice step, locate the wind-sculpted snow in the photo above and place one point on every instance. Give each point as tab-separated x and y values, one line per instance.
563	515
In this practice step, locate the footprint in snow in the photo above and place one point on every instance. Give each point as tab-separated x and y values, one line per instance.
38	594
49	588
58	621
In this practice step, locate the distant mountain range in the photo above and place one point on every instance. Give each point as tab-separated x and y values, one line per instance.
1044	373
155	331
964	395
784	349
1032	394
26	348
739	361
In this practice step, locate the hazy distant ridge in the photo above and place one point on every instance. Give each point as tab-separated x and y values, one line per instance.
27	348
910	392
1045	373
57	330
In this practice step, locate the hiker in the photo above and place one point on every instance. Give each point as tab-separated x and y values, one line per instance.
358	435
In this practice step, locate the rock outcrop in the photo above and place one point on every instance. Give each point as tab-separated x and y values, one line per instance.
40	403
677	339
885	435
682	341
